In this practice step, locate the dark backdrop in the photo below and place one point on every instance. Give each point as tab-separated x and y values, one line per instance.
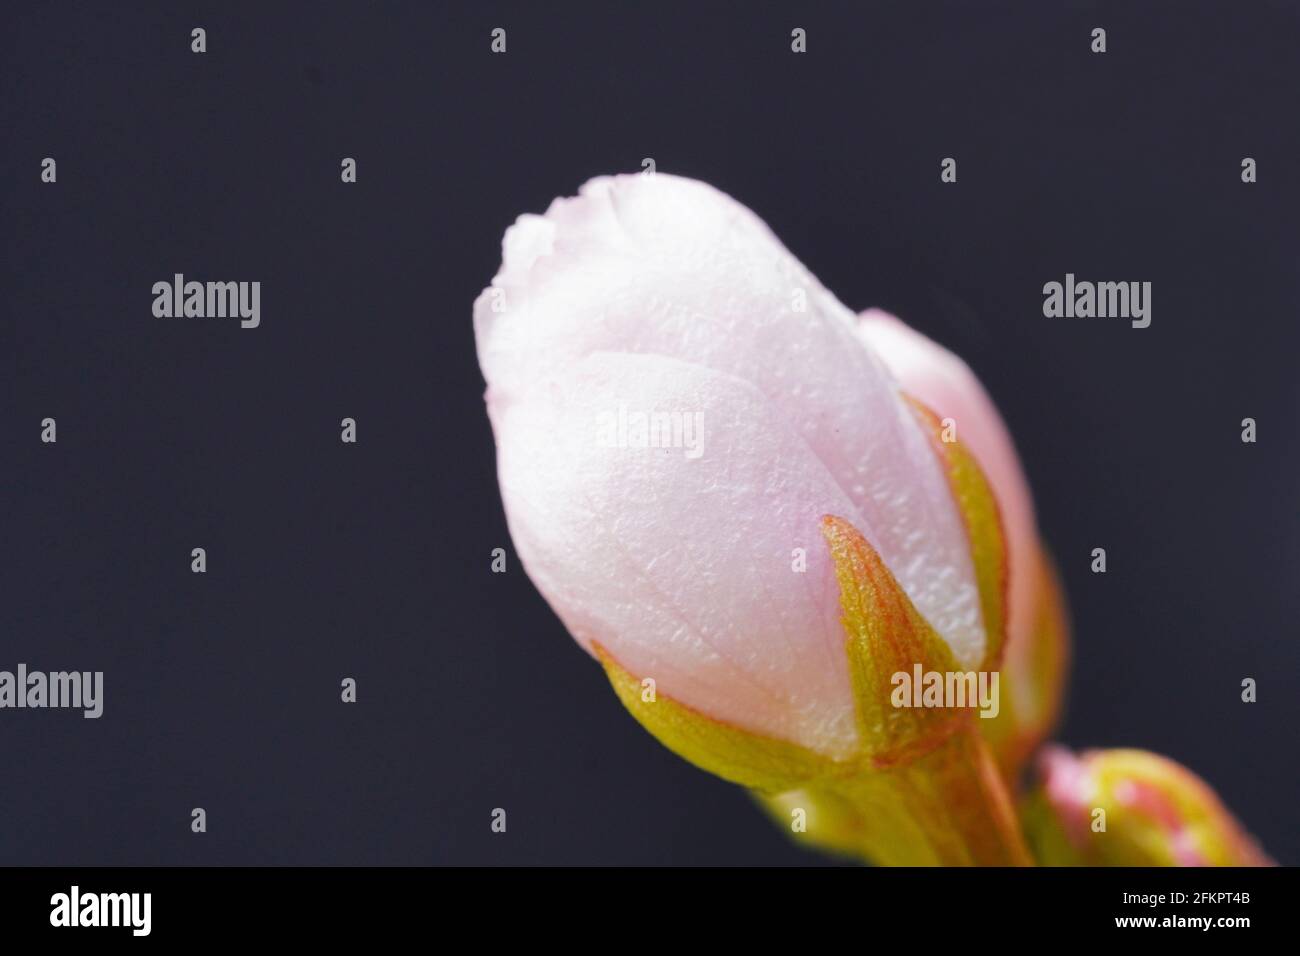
372	561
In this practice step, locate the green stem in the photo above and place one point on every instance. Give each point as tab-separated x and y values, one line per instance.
949	807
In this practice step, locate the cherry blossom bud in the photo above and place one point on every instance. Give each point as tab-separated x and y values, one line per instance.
1131	808
670	434
722	491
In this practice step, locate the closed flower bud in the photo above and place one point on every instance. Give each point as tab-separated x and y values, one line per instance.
727	497
1130	808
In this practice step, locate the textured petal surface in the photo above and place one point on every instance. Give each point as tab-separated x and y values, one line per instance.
946	385
681	567
658	294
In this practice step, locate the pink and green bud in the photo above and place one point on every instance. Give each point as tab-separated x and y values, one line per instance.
1130	808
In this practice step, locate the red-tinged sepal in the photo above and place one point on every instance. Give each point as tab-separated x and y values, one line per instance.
1034	669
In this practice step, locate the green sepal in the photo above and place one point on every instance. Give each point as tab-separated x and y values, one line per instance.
741	756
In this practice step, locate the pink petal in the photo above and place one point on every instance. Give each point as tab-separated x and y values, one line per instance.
945	383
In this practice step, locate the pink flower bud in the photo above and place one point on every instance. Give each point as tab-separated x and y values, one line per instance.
677	404
1131	808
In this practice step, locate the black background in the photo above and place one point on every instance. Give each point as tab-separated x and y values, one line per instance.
372	560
